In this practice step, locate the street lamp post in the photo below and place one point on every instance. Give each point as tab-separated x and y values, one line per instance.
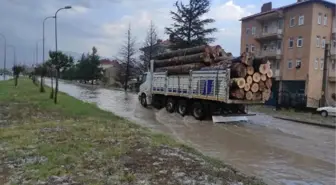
56	57
43	35
37	50
5	46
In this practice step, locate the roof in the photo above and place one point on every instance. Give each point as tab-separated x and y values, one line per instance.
109	62
287	6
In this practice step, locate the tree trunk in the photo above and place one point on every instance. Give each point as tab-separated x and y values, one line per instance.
183	52
256	77
238	70
250	70
247	58
266	95
52	86
41	85
254	87
56	85
181	60
16	80
257	62
256	96
249	80
238	82
249	95
247	87
263	77
180	69
263	68
262	86
237	93
269	73
268	83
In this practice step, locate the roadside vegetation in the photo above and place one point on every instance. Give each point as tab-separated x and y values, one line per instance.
73	142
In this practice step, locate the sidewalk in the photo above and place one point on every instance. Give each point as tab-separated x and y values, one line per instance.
299	117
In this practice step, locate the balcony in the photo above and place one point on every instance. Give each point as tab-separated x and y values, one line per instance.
274	34
273	54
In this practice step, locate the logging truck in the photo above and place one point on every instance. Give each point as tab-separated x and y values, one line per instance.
201	93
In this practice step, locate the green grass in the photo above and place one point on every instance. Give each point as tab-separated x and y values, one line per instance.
40	139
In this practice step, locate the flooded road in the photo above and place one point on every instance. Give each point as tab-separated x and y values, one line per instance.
280	152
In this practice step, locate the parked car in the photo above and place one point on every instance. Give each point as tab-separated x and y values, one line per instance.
327	111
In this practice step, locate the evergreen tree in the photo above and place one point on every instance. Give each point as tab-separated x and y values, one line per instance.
96	71
189	29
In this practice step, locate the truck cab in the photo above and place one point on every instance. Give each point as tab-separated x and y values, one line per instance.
144	94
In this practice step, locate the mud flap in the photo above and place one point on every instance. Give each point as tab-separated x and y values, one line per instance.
227	119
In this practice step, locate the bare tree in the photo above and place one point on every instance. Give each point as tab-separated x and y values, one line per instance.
149	49
127	52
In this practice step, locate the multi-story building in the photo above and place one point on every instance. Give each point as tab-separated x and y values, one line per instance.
293	38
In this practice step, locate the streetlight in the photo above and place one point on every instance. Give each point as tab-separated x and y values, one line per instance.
5	46
66	7
37	50
43	34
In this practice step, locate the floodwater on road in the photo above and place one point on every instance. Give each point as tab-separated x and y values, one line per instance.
280	152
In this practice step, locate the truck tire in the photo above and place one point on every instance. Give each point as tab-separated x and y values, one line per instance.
182	107
170	105
198	111
143	100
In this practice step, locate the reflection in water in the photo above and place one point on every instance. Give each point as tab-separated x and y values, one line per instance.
280	152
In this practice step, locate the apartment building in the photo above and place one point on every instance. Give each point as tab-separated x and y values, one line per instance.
293	38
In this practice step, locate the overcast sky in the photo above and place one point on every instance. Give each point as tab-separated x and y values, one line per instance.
103	23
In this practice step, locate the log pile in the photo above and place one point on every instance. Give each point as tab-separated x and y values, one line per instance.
250	76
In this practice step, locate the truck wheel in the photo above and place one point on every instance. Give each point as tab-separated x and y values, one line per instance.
170	105
198	111
182	108
143	100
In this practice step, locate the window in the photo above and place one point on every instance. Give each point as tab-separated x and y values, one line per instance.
316	63
264	47
280	23
291	42
333	65
247	31
319	18
292	22
290	64
323	42
318	41
247	48
299	42
321	63
334	43
253	30
265	28
298	63
301	20
252	47
325	20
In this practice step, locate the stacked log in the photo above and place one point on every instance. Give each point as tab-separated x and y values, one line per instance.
257	75
250	76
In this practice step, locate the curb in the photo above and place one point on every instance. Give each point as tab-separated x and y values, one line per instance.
307	122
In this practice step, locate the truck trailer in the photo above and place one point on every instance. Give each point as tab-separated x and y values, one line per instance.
201	93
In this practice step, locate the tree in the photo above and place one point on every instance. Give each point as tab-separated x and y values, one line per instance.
61	62
41	70
50	70
17	69
149	46
94	63
127	53
189	29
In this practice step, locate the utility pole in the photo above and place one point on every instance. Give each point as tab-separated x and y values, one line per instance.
5	52
325	74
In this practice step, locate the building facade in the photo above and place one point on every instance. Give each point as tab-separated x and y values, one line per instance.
294	38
